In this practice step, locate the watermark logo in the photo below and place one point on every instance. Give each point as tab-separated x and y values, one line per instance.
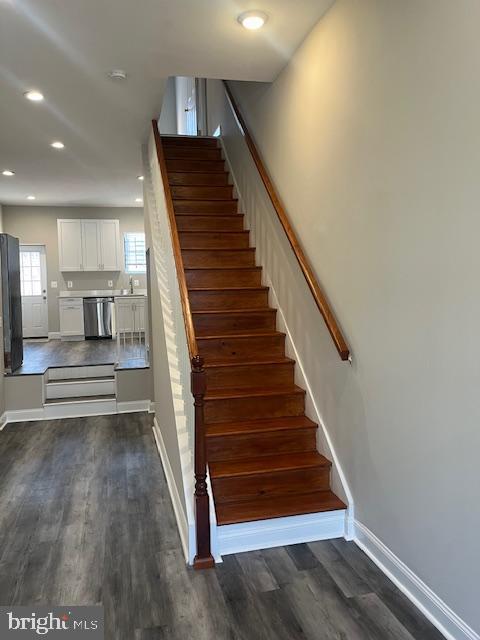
25	623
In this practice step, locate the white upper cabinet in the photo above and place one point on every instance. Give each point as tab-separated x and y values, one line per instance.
69	245
109	233
89	245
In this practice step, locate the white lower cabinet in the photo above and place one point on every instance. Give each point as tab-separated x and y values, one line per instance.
71	318
130	314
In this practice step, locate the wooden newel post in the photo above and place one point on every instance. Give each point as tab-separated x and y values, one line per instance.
204	558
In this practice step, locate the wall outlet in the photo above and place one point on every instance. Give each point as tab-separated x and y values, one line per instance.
69	284
136	283
54	284
110	283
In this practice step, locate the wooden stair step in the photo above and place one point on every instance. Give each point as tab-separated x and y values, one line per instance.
222	298
270	372
287	505
241	346
202	192
189	141
193	166
214	239
192	152
222	405
195	257
244	479
229	222
255	438
197	179
218	276
215	322
201	207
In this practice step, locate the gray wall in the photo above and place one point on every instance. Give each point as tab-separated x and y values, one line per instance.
38	225
371	136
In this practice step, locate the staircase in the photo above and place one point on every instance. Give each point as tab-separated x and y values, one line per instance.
261	447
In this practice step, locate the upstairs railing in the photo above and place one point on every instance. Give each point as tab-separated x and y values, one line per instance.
203	558
317	293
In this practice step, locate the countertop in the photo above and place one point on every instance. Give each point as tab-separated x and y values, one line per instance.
115	293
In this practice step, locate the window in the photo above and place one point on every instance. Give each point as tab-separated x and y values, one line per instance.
134	249
30	273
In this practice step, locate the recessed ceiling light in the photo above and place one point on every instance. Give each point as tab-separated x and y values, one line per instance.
138	199
252	20
57	145
31	198
140	178
34	95
117	74
8	172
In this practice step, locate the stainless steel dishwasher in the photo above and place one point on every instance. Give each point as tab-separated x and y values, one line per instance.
97	317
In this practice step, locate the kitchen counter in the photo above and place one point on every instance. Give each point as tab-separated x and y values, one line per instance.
101	293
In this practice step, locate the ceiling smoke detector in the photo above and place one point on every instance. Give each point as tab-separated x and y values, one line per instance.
117	74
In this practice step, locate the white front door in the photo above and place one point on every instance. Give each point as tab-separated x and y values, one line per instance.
33	278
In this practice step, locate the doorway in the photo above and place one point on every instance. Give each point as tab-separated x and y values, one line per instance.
186	106
33	281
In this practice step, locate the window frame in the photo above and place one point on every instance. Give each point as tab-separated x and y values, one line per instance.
127	250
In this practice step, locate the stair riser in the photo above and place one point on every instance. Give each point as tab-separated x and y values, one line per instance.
91	371
270	484
210	223
200	166
204	258
252	445
197	179
188	141
202	193
212	240
223	277
204	300
267	376
212	324
192	153
79	389
250	408
240	348
209	207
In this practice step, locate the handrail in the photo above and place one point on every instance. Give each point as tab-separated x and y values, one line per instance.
318	295
177	252
198	380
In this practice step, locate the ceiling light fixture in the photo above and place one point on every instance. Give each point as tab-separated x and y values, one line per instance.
117	74
252	20
34	95
140	178
8	173
31	198
57	145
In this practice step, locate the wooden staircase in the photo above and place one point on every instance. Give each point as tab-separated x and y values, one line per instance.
261	448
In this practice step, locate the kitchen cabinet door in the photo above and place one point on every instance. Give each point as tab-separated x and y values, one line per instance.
111	255
69	245
91	251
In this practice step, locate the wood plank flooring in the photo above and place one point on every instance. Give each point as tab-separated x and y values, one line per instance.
85	517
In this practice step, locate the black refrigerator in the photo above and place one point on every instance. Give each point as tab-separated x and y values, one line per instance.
11	303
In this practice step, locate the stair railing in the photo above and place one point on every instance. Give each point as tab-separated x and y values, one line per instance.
203	558
317	293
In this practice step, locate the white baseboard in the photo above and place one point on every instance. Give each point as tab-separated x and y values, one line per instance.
25	415
3	420
433	607
133	406
180	516
79	409
54	335
276	532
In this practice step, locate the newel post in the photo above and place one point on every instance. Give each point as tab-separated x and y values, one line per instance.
204	558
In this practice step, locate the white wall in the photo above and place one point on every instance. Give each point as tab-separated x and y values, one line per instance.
370	135
168	116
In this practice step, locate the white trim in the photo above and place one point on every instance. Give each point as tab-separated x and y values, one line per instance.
277	532
54	335
25	415
3	420
420	594
80	408
133	406
180	515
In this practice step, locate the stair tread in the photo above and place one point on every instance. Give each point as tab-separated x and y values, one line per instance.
281	506
236	311
67	380
259	426
238	268
229	249
267	464
229	336
222	394
241	288
209	215
210	232
109	396
255	361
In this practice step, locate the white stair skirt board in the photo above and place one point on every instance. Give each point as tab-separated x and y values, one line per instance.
80	408
91	371
433	607
277	532
80	388
133	406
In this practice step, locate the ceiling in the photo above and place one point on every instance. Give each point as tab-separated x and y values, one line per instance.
64	48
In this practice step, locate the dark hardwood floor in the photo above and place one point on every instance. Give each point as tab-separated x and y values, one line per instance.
85	517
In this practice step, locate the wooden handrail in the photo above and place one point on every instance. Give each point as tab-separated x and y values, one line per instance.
318	295
203	558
